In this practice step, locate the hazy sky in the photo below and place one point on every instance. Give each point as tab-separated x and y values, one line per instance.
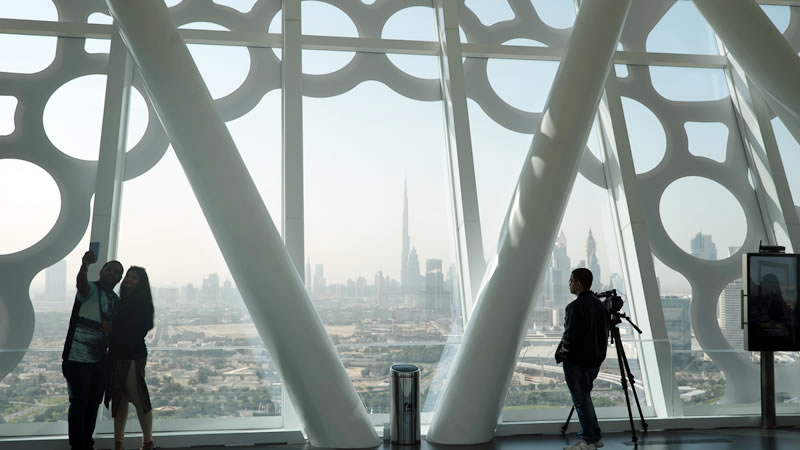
359	147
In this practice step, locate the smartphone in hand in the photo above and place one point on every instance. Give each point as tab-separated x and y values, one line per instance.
95	248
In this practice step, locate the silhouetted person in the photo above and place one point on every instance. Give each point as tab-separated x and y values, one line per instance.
583	350
84	358
129	355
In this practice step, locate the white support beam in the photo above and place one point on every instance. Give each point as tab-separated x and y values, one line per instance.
292	132
282	312
111	160
470	405
461	168
636	254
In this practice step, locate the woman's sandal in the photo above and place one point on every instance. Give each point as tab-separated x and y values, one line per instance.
149	445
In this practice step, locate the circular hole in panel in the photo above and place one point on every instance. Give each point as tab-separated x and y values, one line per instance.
367	2
646	134
323	19
53	288
275	27
171	3
138	117
26	54
702	217
30	204
524	42
670	282
203	26
707	139
417	24
8	107
555	14
779	15
491	12
29	10
413	24
97	46
689	84
729	313
682	30
223	67
100	18
321	62
621	70
243	6
77	135
522	84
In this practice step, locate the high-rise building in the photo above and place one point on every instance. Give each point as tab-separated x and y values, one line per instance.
560	271
319	280
592	263
55	282
406	240
616	282
730	310
434	287
679	329
210	292
414	280
702	246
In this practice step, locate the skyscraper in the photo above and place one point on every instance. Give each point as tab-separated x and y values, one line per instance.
434	286
319	280
730	310
55	282
561	268
679	329
406	241
592	263
702	246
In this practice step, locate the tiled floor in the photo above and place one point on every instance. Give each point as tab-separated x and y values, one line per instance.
745	439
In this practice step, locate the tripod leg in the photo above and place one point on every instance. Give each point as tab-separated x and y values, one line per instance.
633	385
622	363
566	424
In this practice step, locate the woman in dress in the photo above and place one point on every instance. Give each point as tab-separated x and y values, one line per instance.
133	319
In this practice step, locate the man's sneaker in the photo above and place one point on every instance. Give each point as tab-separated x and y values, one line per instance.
581	445
599	443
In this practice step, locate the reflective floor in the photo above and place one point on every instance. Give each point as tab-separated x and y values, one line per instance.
745	439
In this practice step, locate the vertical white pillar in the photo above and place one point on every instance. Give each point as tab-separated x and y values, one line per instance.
761	50
328	406
111	160
636	254
469	252
471	403
292	156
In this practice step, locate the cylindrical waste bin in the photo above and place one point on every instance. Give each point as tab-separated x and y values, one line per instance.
405	404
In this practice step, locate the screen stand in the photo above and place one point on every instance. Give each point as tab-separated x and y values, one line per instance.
768	420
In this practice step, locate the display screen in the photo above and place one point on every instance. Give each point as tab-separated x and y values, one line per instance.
773	319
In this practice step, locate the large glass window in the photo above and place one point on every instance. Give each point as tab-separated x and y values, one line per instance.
206	359
379	242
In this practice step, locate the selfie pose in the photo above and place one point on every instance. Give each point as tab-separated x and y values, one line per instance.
84	359
129	355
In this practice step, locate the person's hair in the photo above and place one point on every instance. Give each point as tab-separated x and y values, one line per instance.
140	297
583	276
113	261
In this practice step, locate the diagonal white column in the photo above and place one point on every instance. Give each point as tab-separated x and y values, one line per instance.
328	406
471	403
760	49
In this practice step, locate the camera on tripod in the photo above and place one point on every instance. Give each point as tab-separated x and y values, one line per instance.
613	301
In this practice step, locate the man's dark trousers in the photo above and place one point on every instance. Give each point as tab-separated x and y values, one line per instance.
579	381
86	383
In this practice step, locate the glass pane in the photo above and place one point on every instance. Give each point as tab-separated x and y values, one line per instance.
381	265
206	359
682	30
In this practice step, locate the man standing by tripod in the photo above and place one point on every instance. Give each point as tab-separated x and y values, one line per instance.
582	350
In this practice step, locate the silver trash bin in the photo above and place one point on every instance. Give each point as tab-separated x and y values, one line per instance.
405	404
